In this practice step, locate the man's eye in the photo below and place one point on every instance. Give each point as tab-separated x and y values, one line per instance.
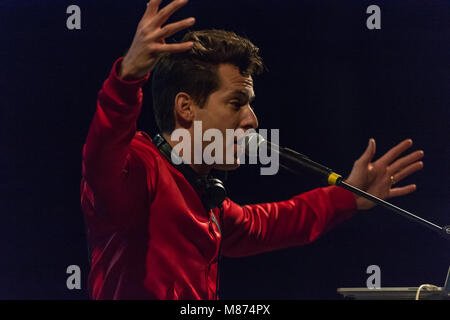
236	104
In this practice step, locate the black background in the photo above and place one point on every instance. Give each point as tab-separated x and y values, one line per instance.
331	85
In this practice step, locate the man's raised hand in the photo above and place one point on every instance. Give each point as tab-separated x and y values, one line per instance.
379	177
149	41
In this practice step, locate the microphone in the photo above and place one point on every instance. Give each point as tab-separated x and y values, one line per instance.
290	160
295	162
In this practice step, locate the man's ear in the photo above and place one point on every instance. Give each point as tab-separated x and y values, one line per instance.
184	109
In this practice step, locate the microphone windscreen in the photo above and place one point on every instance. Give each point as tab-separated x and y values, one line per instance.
252	142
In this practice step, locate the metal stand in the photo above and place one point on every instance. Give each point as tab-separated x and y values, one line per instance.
443	231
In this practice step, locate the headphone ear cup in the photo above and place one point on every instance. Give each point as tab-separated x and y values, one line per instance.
215	193
212	190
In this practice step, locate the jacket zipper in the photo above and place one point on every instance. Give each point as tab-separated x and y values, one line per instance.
218	258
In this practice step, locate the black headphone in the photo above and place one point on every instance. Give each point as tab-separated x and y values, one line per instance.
211	189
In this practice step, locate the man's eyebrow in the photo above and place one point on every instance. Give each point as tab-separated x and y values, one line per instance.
242	93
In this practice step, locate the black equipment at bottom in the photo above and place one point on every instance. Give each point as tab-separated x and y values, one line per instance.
423	292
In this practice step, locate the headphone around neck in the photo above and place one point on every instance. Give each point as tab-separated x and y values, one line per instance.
211	189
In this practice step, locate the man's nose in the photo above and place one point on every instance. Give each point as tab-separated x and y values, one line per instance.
249	119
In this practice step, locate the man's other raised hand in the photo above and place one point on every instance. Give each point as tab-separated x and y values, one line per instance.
149	41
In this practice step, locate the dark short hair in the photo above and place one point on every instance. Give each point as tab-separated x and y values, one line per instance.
195	71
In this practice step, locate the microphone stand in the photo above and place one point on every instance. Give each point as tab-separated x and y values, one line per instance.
443	231
337	180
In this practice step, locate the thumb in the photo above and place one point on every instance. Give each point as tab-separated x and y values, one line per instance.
367	156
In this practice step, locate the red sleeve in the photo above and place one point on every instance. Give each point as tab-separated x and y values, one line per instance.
253	229
115	178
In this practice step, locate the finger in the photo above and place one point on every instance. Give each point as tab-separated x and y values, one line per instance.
392	154
173	28
409	170
397	192
169	48
367	156
405	161
152	8
165	13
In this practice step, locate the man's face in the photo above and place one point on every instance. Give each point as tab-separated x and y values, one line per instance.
229	108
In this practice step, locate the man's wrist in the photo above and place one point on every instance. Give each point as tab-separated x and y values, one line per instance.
127	75
122	74
128	93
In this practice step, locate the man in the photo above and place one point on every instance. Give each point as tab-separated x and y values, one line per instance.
152	235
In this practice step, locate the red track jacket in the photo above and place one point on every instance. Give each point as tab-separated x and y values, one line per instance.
149	234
